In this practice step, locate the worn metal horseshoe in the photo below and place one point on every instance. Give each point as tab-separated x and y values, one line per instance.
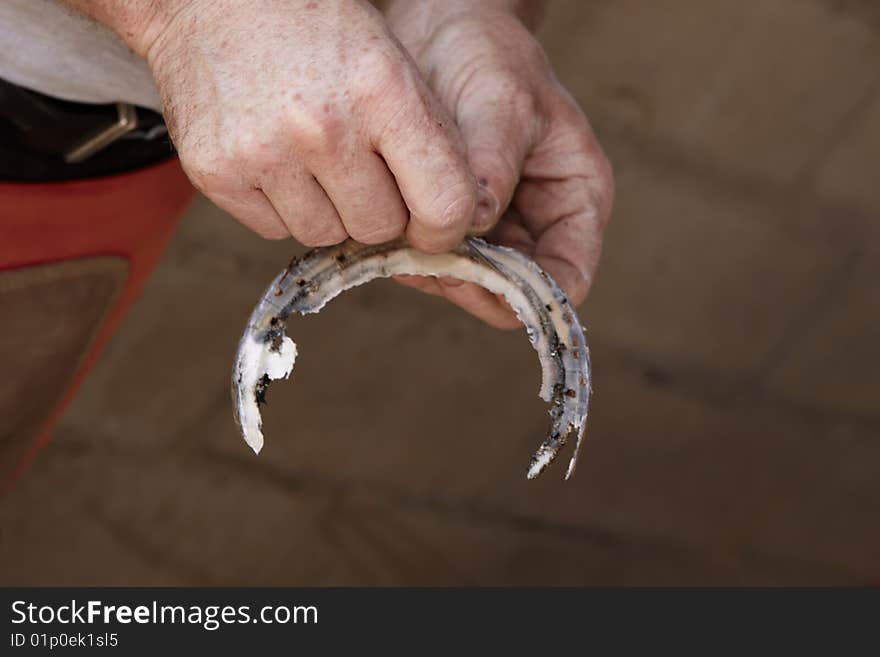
265	353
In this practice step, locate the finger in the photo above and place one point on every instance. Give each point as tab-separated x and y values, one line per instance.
482	304
557	248
565	218
511	231
569	251
569	174
498	127
475	300
365	196
565	202
426	284
306	210
254	210
423	149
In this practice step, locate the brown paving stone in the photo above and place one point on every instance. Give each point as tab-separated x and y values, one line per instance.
835	510
800	213
756	87
378	405
661	463
381	403
51	315
48	537
850	169
834	360
145	521
697	277
166	361
697	469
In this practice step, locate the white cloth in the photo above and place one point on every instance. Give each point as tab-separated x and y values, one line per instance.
50	48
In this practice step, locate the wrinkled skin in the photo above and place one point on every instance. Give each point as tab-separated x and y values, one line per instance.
324	119
525	137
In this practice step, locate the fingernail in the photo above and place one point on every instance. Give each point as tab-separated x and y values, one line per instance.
487	207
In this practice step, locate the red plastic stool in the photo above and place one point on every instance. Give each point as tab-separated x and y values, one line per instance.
55	227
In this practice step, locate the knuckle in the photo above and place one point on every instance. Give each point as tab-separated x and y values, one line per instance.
271	231
591	214
393	102
590	166
209	170
378	233
215	164
380	70
603	187
250	148
323	233
510	90
522	101
319	132
402	120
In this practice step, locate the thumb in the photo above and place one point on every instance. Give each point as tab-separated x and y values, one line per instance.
498	132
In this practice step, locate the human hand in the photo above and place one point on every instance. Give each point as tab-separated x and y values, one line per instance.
528	143
304	118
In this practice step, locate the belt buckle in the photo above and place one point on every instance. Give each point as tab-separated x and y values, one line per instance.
125	122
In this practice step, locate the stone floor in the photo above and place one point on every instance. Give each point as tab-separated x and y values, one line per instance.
735	436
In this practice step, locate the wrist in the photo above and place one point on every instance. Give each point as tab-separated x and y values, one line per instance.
431	12
138	23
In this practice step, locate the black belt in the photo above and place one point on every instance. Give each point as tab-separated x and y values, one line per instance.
47	139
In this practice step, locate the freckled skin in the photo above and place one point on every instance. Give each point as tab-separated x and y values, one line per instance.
327	120
528	142
307	119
